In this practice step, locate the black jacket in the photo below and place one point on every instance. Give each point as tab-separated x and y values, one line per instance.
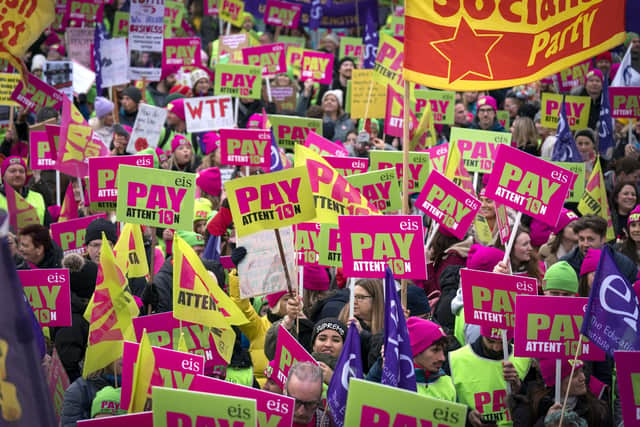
71	341
627	267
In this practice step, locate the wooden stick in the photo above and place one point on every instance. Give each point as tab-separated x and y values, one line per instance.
505	357
11	118
357	20
512	237
573	368
558	379
284	261
116	106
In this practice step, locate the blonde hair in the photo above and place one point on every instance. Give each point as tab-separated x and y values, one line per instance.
525	132
375	289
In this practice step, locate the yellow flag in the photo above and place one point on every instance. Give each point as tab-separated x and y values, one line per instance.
21	212
594	199
130	254
424	125
110	315
456	171
197	298
224	340
69	209
142	375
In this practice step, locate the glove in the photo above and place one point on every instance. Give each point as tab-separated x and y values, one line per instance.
238	254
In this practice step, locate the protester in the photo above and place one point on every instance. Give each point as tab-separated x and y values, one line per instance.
328	339
102	123
560	280
37	248
131	97
93	237
182	156
564	238
631	243
334	114
523	259
13	172
121	134
486	116
304	384
623	200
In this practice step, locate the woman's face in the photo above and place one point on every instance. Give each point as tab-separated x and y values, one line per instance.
362	303
183	154
594	86
488	207
626	198
328	342
202	86
108	119
330	104
522	248
578	385
569	238
634	232
585	147
351	139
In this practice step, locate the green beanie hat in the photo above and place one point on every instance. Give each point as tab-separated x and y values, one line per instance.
259	302
192	238
174	96
561	277
107	401
630	36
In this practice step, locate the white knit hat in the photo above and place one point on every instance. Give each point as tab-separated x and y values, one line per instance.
335	92
196	75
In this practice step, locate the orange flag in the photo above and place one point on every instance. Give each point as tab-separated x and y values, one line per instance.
21	212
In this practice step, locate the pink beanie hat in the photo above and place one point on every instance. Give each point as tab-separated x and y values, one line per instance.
548	370
316	278
177	107
12	160
211	141
594	72
539	232
210	181
566	217
488	100
422	334
272	299
590	262
634	216
483	258
179	140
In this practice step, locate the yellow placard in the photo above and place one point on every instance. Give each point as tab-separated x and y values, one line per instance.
361	83
389	63
231	11
8	83
577	108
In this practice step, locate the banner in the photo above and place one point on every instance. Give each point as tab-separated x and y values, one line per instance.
380	188
208	113
449	205
578	108
103	176
479	147
231	11
338	15
292	130
529	184
348	166
370	243
41	154
305	243
317	66
69	235
576	192
288	352
389	63
282	14
245	147
370	404
238	80
625	102
147	128
270	201
419	166
130	253
459	46
323	146
146	36
549	328
442	105
79	42
329	249
573	75
48	293
181	52
158	198
36	94
595	200
8	83
115	64
270	57
628	377
359	87
351	47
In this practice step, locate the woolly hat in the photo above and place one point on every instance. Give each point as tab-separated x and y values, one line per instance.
566	217
133	93
52	38
346	59
211	141
191	237
95	229
102	106
561	277
634	216
336	92
588	133
606	56
37	63
316	278
590	261
255	121
180	89
247	15
594	72
210	181
107	401
177	107
258	303
495	333
168	70
423	333
82	274
332	38
196	75
539	232
329	323
272	299
417	301
201	209
483	258
11	160
178	140
487	100
630	36
548	370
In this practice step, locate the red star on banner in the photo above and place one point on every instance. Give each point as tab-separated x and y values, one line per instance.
467	52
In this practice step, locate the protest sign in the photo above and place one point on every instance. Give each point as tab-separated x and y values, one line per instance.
238	80
141	419
292	41
58	382
270	57
317	66
211	7
580	169
231	47
208	113
503	118
478	147
419	166
174	13
79	42
164	331
114	64
370	404
323	146
146	35
529	184
121	26
261	271
245	147
490	298
329	250
103	176
294	59
59	75
502	222
351	47
158	198
380	188
231	11
8	83
147	128
549	328
60	21
40	151
270	201
273	410
83	12
69	235
394	114
172	408
292	130
577	107
442	104
573	76
284	97
48	293
173	369
397	26
36	94
347	166
371	243
389	60
449	205
625	102
282	14
83	79
438	156
288	352
181	52
360	86
628	377
306	243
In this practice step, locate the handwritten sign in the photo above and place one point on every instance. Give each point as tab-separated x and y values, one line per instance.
577	108
8	83
147	128
69	235
103	176
208	113
48	293
364	98
380	188
238	80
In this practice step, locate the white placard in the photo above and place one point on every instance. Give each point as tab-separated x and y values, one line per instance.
149	123
208	113
115	62
146	35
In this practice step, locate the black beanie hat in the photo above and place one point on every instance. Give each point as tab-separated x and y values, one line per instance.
95	229
133	93
83	274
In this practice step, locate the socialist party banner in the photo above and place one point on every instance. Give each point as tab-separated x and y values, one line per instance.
282	14
329	249
549	328
48	293
69	235
419	166
380	188
628	376
442	105
625	102
459	46
371	243
577	107
490	298
323	146
292	130
103	176
305	242
271	57
478	147
158	198
288	351
208	113
449	205
245	147
36	94
179	52
235	80
42	154
529	184
146	36
347	166
147	128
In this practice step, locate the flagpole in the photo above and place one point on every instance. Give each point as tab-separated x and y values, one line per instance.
284	260
405	170
512	238
58	188
573	368
357	20
81	190
505	357
558	380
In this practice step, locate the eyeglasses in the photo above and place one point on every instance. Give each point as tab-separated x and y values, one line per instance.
310	405
95	245
362	297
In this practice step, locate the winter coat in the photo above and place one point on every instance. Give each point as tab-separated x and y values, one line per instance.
454	255
79	397
449	282
329	307
71	341
627	267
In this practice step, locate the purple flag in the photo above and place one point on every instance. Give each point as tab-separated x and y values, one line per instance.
212	250
397	370
25	399
565	148
315	15
605	124
349	366
612	319
370	37
276	160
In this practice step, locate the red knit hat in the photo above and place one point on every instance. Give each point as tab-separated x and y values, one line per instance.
272	299
177	107
548	370
181	89
590	262
11	160
606	56
483	258
179	140
422	334
316	278
209	181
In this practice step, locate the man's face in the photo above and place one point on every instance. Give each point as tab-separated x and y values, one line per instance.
198	249
589	239
307	395
633	176
29	251
635	45
604	65
432	359
128	104
15	176
346	69
486	116
93	249
492	346
460	117
511	105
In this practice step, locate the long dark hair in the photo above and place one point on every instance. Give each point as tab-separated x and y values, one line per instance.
630	249
439	245
596	410
532	267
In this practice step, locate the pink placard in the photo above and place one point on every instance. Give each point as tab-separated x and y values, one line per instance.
245	147
42	154
288	351
164	332
323	146
490	298
53	133
271	57
180	52
103	175
37	94
625	102
276	408
438	156
573	76
173	369
282	14
628	374
529	184
69	235
502	221
549	328
393	124
317	66
49	295
141	419
306	242
58	382
348	165
370	243
449	205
